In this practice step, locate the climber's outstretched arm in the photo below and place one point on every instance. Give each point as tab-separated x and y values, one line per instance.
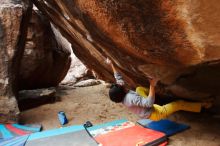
153	83
117	75
108	61
151	95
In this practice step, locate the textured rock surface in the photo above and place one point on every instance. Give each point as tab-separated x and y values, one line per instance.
32	55
11	13
176	41
46	58
76	72
77	69
34	98
89	82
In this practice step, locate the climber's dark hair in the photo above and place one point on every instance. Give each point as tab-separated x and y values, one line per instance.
117	93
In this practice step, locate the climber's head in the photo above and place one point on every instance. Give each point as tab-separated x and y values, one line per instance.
117	93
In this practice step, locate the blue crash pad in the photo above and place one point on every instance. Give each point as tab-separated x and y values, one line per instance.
166	126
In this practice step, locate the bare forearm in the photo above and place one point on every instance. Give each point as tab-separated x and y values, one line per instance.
151	96
152	91
113	68
117	75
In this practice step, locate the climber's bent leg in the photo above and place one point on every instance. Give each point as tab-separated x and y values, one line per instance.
161	112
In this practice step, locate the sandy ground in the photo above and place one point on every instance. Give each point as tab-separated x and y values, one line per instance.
92	103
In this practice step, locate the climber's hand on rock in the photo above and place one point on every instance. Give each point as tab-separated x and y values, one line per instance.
108	61
153	81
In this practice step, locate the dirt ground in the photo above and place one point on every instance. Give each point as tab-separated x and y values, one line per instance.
92	103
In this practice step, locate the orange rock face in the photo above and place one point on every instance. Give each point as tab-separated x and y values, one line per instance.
175	41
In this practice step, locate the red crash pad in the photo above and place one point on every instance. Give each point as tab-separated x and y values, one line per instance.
132	136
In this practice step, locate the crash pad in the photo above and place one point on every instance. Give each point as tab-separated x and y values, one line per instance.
128	134
110	127
15	141
12	130
77	135
71	135
166	126
76	138
74	128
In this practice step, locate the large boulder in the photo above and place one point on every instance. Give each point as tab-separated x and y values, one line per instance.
46	58
13	14
32	55
175	41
